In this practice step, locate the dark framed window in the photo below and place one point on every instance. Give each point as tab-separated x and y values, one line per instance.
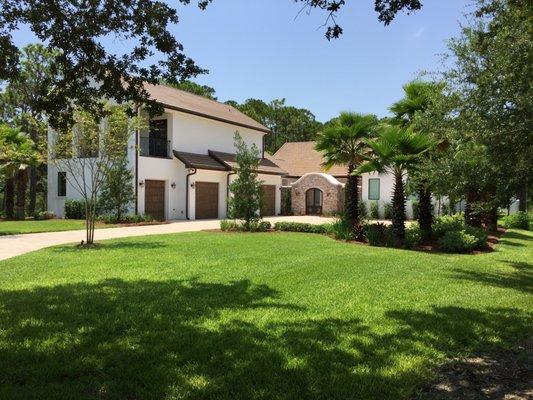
62	184
156	144
313	201
373	189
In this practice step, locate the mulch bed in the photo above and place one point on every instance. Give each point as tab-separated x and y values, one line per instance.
496	375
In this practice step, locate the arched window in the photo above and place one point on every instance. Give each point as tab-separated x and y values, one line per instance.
313	201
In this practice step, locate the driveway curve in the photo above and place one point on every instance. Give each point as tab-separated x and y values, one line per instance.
14	245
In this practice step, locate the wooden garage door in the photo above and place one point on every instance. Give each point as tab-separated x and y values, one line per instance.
269	201
154	199
206	200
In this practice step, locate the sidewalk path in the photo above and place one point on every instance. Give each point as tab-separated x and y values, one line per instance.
14	245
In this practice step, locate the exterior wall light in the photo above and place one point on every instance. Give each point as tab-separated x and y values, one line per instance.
192	185
141	184
173	185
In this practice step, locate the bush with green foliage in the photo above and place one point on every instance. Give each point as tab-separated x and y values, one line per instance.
363	213
445	209
519	220
42	215
374	210
457	241
74	209
117	193
301	227
447	223
378	234
125	219
228	225
387	211
340	229
481	236
413	236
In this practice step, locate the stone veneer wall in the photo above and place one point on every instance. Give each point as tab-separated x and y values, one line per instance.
332	191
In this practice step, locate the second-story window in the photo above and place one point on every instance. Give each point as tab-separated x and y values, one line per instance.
155	143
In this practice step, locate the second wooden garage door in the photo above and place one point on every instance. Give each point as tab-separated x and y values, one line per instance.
154	199
206	200
269	201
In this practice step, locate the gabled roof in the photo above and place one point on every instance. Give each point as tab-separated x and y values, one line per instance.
219	161
183	101
300	158
265	166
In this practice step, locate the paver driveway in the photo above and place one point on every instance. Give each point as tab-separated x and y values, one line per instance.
14	245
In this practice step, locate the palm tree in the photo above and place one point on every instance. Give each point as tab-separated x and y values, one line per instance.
418	98
396	150
343	143
16	154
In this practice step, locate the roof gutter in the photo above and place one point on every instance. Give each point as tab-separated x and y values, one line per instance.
199	114
187	192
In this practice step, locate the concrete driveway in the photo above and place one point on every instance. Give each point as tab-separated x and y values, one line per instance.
14	245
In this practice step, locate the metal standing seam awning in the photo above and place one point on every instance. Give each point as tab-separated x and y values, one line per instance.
220	161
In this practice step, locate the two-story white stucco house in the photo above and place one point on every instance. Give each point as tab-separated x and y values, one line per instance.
183	164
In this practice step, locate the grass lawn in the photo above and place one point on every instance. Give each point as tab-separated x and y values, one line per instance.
48	225
251	316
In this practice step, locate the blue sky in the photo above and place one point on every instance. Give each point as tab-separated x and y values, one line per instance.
258	48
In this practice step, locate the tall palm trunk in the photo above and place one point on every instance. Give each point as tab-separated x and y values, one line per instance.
10	197
398	211
425	216
351	199
22	183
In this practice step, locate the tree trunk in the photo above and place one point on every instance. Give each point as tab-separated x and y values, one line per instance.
398	211
33	190
492	220
10	198
22	183
425	216
522	198
351	200
472	217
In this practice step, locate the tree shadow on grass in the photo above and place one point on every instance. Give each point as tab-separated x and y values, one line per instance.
520	279
119	245
197	340
516	235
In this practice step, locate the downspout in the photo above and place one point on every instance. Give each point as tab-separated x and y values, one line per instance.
227	191
137	134
187	192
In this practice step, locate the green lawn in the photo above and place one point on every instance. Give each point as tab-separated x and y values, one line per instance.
48	225
251	316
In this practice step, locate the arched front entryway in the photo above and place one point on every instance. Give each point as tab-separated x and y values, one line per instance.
313	201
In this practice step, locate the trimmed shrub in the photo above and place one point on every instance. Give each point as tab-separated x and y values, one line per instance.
228	225
339	230
376	234
42	215
481	236
301	227
519	220
448	223
363	213
125	219
413	236
74	209
457	241
374	210
387	211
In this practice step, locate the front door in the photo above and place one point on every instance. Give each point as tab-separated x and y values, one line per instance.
154	199
313	202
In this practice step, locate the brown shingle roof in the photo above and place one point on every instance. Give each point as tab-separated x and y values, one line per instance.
300	158
200	161
180	100
265	166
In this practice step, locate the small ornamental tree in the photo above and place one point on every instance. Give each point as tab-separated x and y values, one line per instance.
89	149
117	189
245	204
